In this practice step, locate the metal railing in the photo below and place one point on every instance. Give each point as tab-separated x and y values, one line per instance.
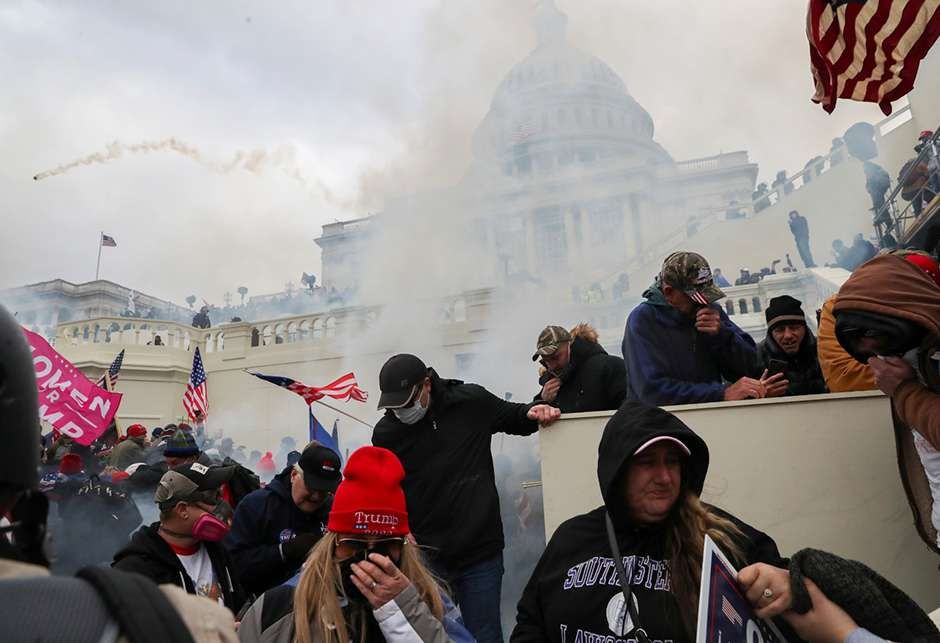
900	219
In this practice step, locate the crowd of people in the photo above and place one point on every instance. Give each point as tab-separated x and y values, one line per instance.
406	540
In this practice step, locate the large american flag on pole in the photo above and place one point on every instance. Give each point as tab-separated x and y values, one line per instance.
344	388
111	375
196	397
868	50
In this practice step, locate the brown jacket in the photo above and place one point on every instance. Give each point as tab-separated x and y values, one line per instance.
841	371
891	286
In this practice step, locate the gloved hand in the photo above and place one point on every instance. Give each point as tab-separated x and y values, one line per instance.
296	549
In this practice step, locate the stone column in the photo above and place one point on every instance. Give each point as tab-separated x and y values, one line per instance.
531	254
635	227
572	232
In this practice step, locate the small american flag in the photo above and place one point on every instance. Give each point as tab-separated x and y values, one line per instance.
196	397
728	610
524	130
112	373
868	50
108	241
345	388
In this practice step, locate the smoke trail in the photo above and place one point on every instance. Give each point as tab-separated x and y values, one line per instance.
256	161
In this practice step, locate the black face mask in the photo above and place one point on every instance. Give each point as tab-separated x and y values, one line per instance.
353	595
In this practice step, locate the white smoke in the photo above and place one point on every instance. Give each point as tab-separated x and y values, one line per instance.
258	160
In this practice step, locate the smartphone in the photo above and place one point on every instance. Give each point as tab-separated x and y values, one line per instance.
776	366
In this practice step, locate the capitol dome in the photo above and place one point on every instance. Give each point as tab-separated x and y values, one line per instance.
561	105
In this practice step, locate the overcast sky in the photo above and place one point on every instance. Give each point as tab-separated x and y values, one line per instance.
373	98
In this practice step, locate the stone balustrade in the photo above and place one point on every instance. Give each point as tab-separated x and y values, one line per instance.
127	331
311	327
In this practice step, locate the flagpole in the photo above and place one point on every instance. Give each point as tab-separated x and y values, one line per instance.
98	266
352	417
107	386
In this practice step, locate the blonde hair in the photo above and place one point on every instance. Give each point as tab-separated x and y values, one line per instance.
316	599
685	543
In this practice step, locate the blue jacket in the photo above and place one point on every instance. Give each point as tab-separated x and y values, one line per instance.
263	520
669	362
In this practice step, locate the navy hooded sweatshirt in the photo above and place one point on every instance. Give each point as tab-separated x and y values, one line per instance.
264	520
669	362
574	594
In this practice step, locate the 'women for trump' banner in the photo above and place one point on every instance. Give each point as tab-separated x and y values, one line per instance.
68	400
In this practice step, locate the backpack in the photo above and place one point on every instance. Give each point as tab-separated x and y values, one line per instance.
98	604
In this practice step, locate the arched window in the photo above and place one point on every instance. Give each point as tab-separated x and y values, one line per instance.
742	306
331	327
729	307
279	334
755	304
220	341
304	330
318	327
267	336
255	337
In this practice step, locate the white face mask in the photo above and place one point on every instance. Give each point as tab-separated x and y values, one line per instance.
411	414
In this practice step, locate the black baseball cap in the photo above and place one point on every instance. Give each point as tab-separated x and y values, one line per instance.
398	379
321	468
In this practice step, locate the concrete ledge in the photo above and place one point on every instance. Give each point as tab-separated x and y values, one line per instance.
816	471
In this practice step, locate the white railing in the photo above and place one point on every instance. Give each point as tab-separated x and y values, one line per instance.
129	331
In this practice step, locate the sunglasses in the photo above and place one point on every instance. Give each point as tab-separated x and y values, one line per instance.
358	546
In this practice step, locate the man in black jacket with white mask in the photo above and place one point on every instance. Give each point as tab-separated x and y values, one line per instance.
441	431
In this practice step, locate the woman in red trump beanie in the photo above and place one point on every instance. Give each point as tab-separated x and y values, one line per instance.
363	581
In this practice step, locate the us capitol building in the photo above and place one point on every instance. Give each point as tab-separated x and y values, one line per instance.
566	177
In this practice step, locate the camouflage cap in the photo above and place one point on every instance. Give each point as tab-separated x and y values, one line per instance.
549	341
690	273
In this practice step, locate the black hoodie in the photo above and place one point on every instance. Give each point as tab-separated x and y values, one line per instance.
449	484
149	555
574	594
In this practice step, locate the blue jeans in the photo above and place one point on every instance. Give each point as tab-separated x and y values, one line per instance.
476	590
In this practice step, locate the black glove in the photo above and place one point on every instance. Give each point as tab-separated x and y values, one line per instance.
296	549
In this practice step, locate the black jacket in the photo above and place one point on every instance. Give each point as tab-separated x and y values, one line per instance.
149	555
574	591
450	487
802	369
593	380
799	227
265	519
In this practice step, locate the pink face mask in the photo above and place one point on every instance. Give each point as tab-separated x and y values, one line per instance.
212	527
209	528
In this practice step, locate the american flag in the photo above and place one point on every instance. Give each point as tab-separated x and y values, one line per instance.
728	610
345	388
524	130
196	397
111	373
108	241
868	50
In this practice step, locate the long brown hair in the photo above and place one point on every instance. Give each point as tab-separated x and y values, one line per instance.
688	524
316	599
